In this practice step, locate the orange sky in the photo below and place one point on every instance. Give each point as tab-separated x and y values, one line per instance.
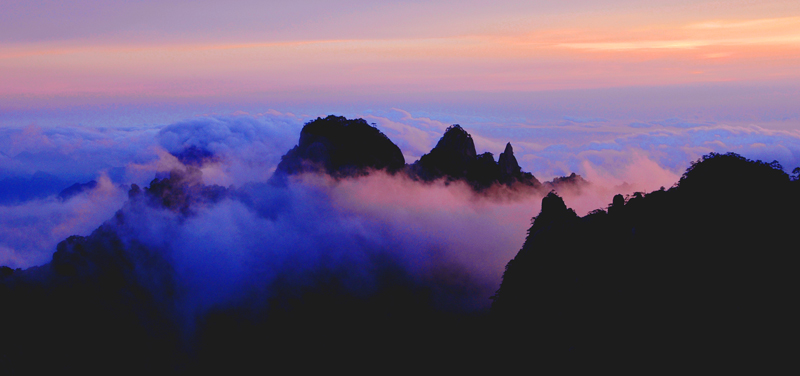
503	49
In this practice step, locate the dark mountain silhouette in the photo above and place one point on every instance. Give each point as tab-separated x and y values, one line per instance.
702	272
509	168
679	276
108	299
76	189
105	294
454	158
573	182
345	148
341	148
88	300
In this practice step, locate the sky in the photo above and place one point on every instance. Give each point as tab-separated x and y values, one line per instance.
195	49
626	93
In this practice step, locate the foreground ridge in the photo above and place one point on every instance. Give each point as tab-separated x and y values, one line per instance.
706	267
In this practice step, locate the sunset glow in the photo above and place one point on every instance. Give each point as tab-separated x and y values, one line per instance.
523	52
199	186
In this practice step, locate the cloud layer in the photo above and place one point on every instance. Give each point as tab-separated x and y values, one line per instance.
616	157
30	231
439	236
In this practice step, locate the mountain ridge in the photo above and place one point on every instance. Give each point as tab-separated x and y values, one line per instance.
453	158
704	267
649	271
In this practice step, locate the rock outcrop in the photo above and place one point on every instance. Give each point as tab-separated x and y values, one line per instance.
345	148
341	148
509	168
454	158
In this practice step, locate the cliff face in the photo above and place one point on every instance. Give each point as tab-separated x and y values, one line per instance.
703	267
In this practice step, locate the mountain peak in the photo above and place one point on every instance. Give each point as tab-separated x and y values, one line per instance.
458	142
341	147
553	203
509	168
452	156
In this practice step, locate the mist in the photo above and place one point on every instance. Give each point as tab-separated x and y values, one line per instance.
30	231
245	148
264	240
443	237
198	242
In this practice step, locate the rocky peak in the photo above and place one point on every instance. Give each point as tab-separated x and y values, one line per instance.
509	168
340	147
457	143
509	149
553	204
453	156
554	210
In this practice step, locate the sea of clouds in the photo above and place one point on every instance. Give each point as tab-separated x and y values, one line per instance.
438	231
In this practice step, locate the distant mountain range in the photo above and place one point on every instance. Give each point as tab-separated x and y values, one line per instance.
346	148
703	271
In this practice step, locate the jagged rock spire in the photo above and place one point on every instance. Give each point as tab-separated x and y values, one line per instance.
509	168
